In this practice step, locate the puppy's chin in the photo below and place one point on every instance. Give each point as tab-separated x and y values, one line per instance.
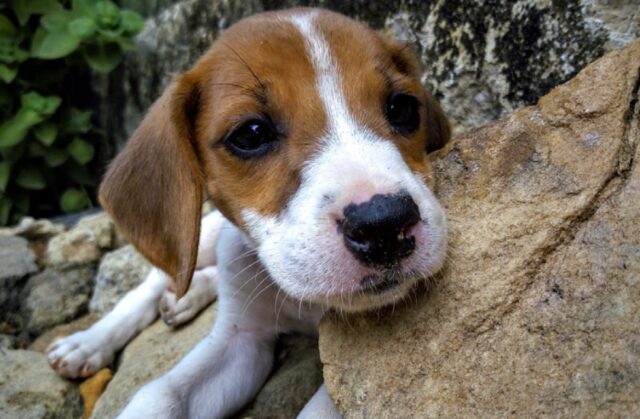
384	292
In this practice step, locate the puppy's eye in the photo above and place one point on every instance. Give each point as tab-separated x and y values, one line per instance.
252	139
403	113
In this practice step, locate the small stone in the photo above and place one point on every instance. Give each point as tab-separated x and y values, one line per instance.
120	271
85	243
29	388
32	229
56	296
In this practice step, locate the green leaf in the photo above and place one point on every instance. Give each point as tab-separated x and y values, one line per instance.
46	132
30	177
25	8
82	27
5	171
51	45
80	150
7	74
125	43
77	121
43	105
83	7
132	23
103	57
57	21
108	15
74	200
5	210
55	157
6	27
15	129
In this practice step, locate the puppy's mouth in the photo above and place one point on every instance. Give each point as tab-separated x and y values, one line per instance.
385	281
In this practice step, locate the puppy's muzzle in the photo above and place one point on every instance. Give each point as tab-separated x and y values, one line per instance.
378	232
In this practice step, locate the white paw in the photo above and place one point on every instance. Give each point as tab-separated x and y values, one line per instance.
79	355
201	293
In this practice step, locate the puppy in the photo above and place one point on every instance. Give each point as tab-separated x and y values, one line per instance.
310	133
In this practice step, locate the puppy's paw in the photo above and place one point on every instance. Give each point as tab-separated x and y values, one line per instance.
201	293
79	355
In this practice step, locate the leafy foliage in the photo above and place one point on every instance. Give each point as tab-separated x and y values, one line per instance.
47	143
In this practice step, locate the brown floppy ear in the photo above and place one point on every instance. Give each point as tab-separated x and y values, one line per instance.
153	188
438	128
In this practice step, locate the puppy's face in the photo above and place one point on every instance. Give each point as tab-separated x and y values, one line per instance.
310	132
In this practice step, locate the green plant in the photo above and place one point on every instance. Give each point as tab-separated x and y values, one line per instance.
47	139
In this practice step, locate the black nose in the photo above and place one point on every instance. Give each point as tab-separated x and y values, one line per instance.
374	231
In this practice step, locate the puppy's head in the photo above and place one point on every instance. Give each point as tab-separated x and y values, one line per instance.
309	132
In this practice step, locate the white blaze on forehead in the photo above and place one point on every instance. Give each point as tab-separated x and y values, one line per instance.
341	123
301	247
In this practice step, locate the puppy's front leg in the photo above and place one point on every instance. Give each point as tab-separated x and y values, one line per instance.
221	374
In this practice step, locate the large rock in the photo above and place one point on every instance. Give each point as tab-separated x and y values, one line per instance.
17	262
537	312
29	389
483	59
120	271
56	296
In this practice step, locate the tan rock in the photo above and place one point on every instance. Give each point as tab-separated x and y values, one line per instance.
119	272
84	243
536	313
29	388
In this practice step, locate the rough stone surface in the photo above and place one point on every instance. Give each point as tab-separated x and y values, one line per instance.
120	271
296	377
17	262
29	389
152	353
85	243
482	59
536	313
55	296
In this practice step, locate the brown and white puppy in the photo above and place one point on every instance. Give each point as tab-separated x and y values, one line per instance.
310	133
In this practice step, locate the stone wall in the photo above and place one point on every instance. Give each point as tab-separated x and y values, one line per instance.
483	59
